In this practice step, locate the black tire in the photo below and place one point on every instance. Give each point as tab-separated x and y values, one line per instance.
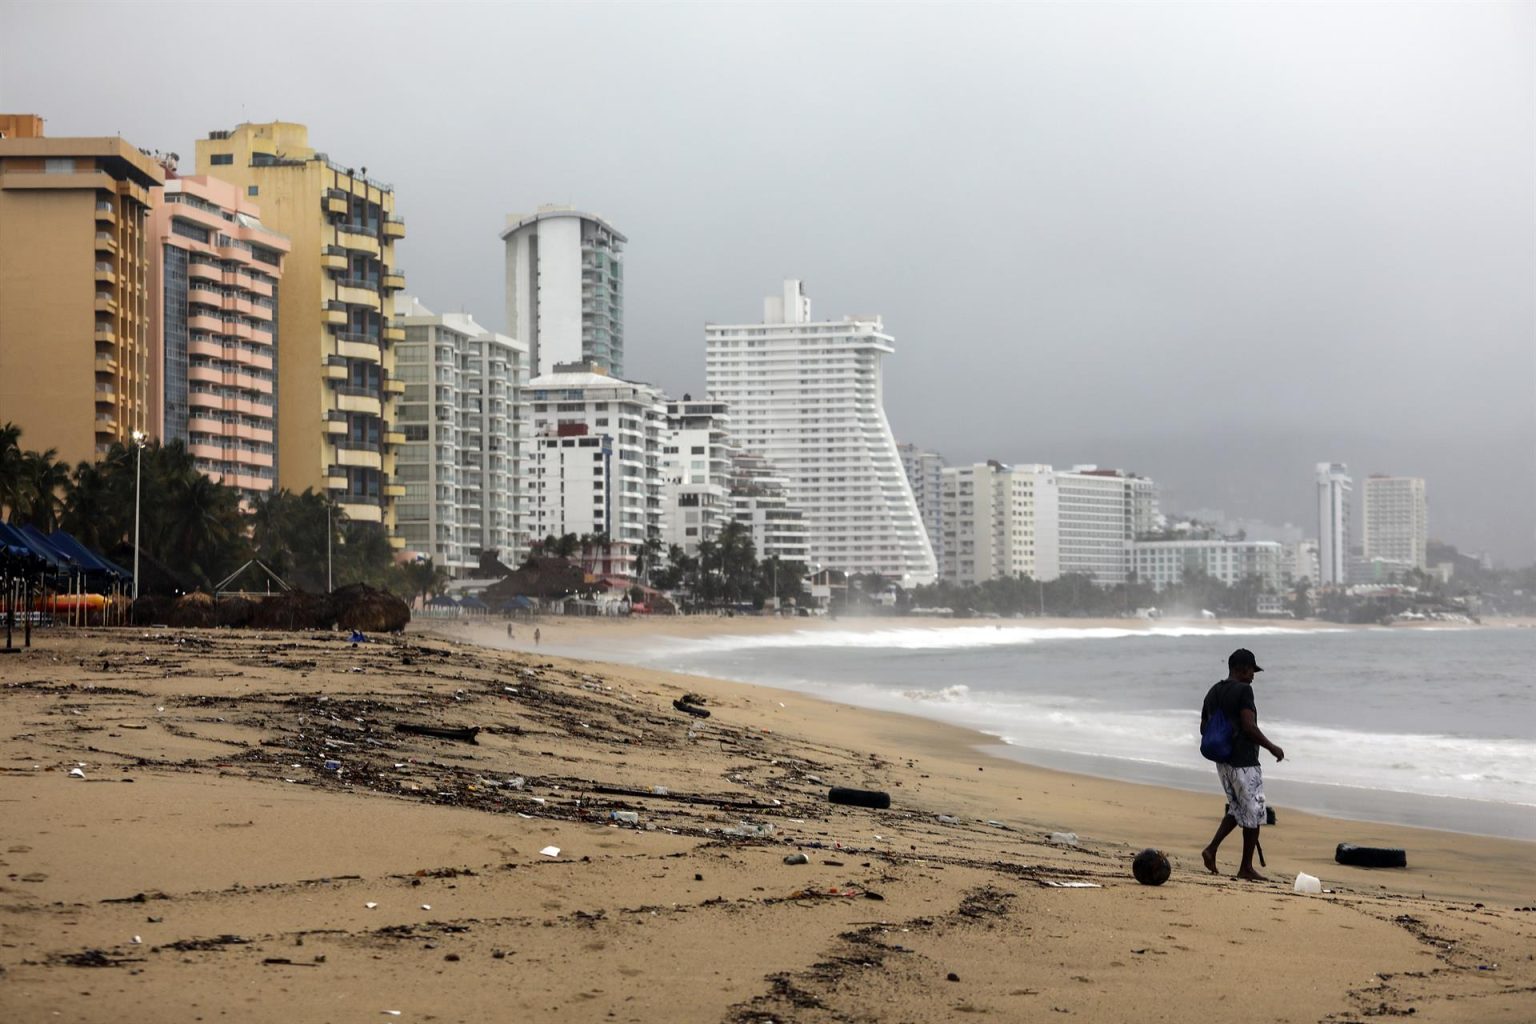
859	797
1370	856
692	709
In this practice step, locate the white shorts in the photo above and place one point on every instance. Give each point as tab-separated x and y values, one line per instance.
1245	793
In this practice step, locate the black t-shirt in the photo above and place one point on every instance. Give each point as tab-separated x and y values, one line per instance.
1232	697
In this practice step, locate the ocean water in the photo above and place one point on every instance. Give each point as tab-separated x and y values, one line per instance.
1428	727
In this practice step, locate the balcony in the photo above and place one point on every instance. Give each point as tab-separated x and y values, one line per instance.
393	386
357	238
396	541
205	272
105	303
198	291
334	314
335	368
105	213
394	438
394	281
334	258
394	228
357	294
336	478
105	363
336	204
105	274
348	401
105	242
105	333
365	350
394	490
394	334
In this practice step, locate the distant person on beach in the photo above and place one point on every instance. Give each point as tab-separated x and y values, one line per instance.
535	636
509	631
1241	778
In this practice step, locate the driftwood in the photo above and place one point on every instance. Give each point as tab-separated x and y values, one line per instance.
464	734
692	709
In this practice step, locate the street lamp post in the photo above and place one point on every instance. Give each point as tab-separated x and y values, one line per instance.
328	531
139	437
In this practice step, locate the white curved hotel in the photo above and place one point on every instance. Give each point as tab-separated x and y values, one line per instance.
807	396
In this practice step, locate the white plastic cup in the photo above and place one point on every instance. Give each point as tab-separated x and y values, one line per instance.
1308	884
1064	838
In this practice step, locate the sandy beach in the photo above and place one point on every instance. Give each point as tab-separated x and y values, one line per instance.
233	826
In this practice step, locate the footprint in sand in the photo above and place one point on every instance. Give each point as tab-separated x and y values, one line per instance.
18	849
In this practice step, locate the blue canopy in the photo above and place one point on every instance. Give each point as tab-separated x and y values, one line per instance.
87	559
16	537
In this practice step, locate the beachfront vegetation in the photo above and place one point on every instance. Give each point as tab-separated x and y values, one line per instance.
193	531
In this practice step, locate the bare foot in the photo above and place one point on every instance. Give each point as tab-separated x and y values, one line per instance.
1209	856
1251	876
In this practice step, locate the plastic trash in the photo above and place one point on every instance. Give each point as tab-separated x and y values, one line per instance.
1308	883
624	817
659	790
551	851
77	773
747	828
797	858
517	782
1064	838
333	766
948	819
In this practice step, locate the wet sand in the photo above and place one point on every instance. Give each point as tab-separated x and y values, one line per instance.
210	827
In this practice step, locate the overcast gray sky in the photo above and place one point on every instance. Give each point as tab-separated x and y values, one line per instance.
1214	244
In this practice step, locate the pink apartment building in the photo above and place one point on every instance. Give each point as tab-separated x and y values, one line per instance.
214	285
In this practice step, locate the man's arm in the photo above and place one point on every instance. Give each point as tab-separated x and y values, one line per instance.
1250	726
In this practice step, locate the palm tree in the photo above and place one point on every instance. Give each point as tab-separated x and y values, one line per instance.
12	460
46	479
200	525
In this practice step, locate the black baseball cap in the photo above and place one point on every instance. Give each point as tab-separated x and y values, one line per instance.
1242	658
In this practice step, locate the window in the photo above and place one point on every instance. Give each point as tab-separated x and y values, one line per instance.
252	190
224	159
59	165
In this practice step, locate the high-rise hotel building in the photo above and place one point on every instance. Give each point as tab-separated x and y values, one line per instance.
74	288
806	395
336	388
462	417
1396	520
565	289
214	288
1333	489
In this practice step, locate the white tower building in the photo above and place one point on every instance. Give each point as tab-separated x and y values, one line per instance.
760	501
696	458
565	288
924	471
595	459
1396	520
807	396
989	522
461	463
1333	488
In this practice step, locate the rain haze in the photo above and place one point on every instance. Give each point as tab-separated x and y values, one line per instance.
1211	244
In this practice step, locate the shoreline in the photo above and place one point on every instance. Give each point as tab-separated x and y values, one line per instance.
959	743
240	825
608	642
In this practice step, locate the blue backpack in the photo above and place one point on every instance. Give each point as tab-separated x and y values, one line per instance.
1217	736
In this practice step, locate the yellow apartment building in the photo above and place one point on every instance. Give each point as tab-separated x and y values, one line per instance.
74	297
336	385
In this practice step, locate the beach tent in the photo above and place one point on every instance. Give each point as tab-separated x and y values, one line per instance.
442	601
89	561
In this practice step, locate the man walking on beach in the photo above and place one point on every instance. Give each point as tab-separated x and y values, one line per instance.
1241	778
